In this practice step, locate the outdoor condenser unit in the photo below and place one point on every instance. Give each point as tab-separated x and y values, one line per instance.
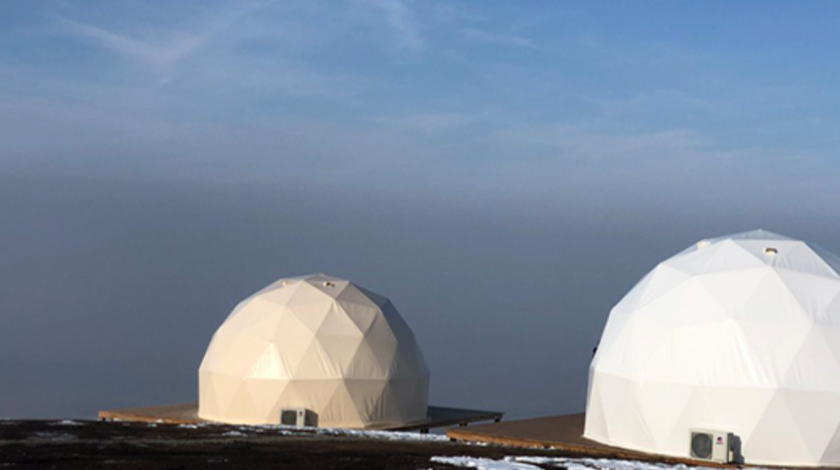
293	417
712	446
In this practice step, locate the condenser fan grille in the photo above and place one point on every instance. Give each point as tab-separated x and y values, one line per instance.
288	418
701	445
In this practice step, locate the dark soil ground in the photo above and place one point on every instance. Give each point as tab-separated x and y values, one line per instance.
121	445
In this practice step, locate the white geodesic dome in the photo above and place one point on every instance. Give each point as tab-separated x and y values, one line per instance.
738	334
318	343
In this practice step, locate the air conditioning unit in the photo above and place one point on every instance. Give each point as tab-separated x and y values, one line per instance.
711	446
293	417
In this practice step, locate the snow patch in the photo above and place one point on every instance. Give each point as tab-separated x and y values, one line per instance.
333	432
54	436
537	463
341	432
383	435
480	463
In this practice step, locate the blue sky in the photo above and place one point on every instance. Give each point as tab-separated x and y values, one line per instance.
504	171
543	99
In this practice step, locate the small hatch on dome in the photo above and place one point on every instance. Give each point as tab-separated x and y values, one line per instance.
329	284
771	251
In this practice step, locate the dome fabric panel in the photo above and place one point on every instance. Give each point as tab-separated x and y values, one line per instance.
320	343
737	334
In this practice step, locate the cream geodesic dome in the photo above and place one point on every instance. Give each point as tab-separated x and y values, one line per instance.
739	334
317	343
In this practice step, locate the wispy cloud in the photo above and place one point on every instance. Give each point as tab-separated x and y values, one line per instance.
207	52
162	56
402	21
495	39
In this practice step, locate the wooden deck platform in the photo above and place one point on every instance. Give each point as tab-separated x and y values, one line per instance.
182	413
187	413
557	432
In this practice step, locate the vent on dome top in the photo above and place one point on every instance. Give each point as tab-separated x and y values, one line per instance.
770	251
712	446
329	284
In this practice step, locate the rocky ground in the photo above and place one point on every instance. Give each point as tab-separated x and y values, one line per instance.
120	445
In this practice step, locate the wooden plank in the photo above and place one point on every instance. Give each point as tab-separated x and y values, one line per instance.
556	432
187	413
441	416
565	431
182	413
